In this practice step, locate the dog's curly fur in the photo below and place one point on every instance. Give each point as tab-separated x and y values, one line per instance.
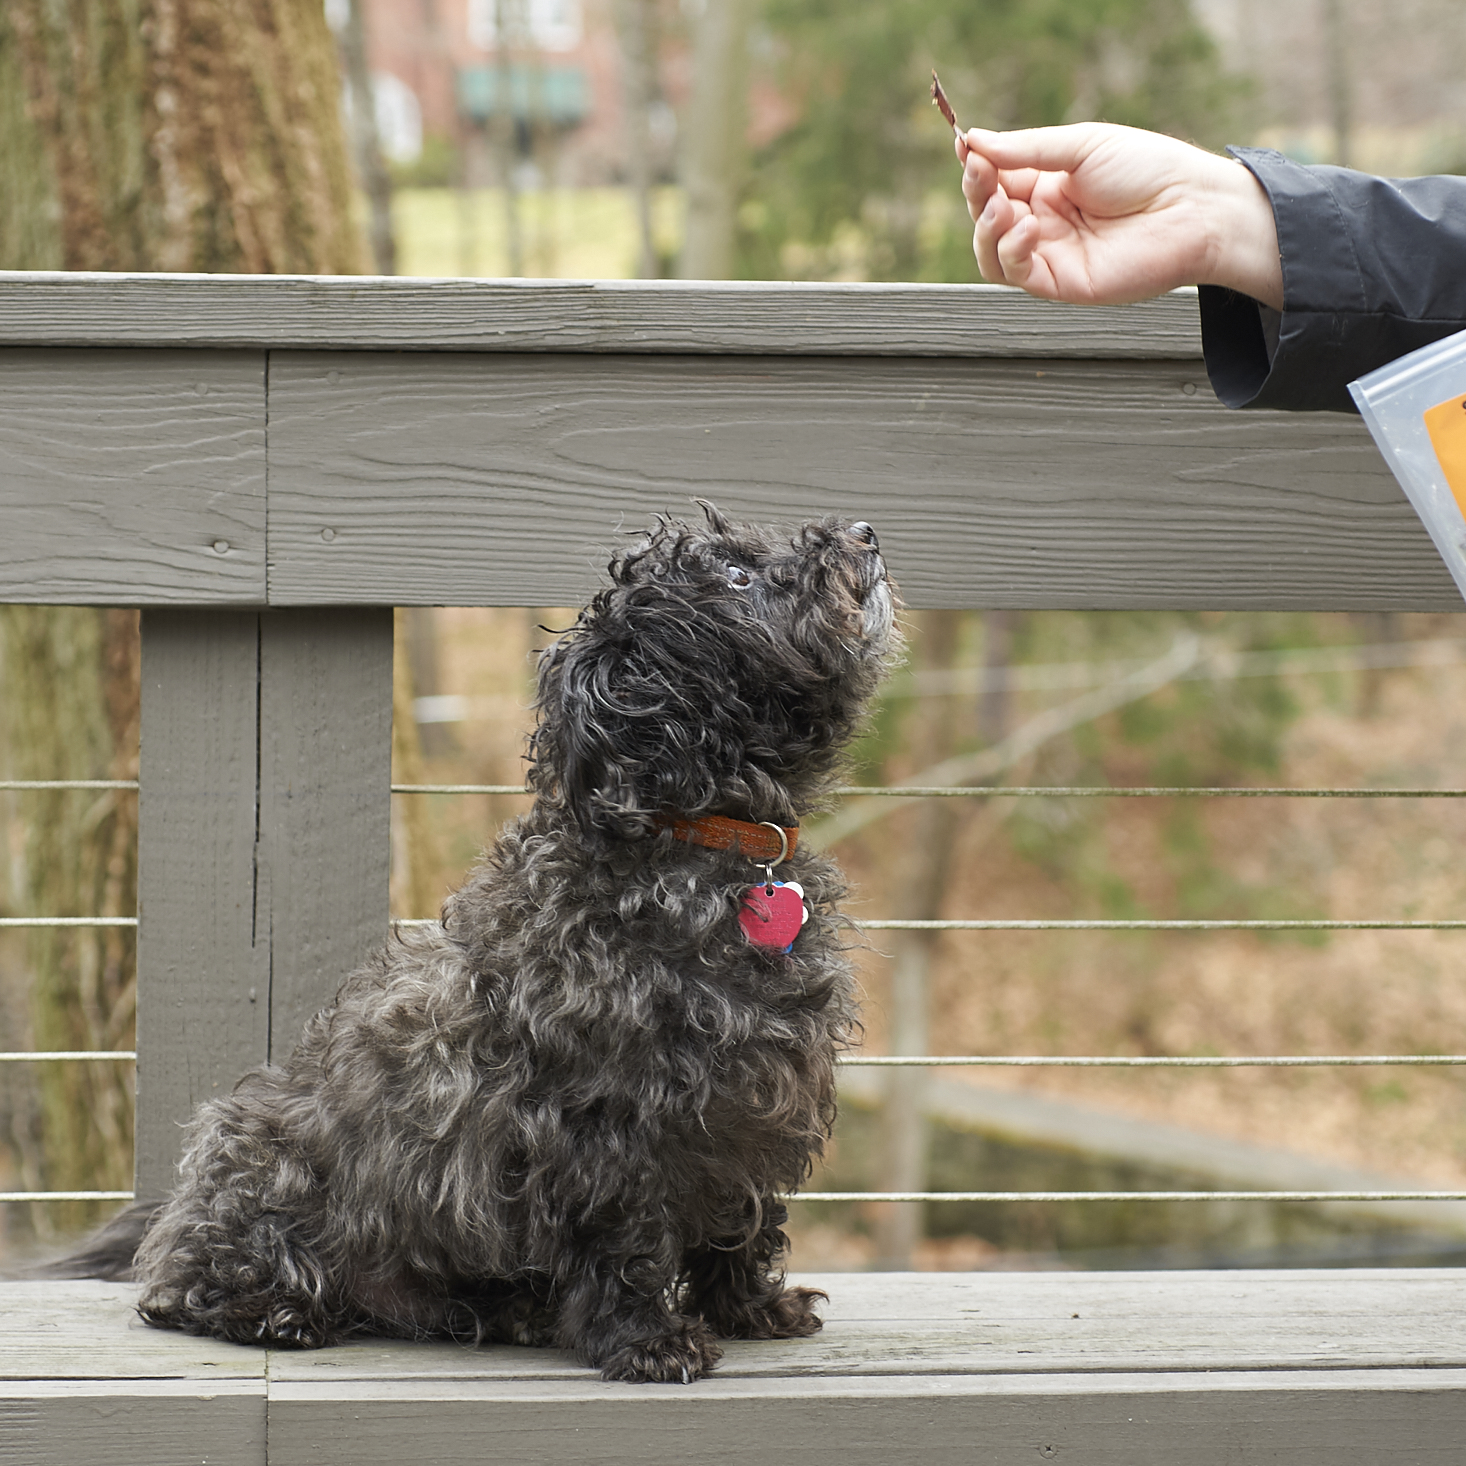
565	1116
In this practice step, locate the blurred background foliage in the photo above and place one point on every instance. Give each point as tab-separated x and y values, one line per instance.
860	183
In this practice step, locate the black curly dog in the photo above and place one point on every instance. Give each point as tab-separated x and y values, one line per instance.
566	1116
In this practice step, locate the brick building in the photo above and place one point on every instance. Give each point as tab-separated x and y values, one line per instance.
463	71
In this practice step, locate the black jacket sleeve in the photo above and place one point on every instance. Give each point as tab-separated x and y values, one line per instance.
1373	268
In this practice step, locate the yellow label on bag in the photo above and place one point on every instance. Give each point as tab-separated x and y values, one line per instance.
1446	424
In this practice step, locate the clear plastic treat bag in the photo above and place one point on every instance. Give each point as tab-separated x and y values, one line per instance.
1416	409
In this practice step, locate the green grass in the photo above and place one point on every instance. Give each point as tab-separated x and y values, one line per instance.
568	234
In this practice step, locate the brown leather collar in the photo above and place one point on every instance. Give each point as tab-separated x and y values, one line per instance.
760	843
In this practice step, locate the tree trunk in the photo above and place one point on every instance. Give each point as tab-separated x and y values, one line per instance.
714	149
199	135
82	122
636	30
424	667
366	142
187	134
995	701
512	23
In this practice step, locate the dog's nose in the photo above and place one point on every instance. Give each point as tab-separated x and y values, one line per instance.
862	531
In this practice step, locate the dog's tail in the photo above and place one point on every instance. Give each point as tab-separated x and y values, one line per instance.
108	1252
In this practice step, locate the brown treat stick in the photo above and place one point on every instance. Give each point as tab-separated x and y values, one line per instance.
939	100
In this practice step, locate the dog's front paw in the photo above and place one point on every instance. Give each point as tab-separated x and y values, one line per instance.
677	1358
286	1327
792	1315
788	1315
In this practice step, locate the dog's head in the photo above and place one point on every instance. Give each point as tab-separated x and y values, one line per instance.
722	671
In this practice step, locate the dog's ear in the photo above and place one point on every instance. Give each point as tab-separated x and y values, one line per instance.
718	522
599	749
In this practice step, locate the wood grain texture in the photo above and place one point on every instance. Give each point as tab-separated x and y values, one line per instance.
1121	1421
722	318
133	1423
460	479
128	475
876	1326
1025	1323
203	984
325	717
91	1331
263	844
1328	1368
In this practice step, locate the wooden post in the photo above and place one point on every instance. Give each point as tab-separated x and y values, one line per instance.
263	842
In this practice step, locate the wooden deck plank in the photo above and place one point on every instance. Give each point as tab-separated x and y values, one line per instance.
1306	1420
127	1423
1336	1368
455	479
722	318
876	1325
1023	1323
132	474
91	1331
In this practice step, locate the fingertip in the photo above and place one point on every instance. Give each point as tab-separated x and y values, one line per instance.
987	258
979	176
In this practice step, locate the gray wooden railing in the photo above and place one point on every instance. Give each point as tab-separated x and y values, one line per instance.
268	465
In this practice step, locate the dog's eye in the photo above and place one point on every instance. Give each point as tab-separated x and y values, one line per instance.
739	578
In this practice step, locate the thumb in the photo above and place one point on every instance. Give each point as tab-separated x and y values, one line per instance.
1048	149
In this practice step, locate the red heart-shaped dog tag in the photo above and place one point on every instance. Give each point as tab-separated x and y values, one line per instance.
772	917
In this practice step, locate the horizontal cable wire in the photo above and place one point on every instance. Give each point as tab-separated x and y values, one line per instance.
1126	1196
1011	1061
1085	1061
1215	663
1221	925
68	921
962	1061
1025	791
69	1056
960	1196
1005	925
67	1195
460	789
1101	791
28	784
880	924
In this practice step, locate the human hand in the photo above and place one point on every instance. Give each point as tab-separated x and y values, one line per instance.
1098	214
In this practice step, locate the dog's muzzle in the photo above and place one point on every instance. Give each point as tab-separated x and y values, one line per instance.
877	613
